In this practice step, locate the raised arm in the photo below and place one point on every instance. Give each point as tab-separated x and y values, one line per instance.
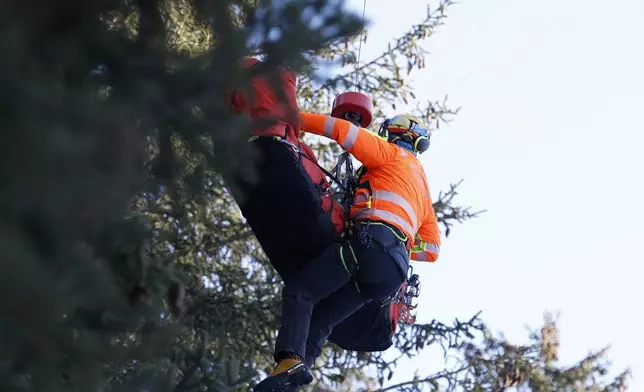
367	147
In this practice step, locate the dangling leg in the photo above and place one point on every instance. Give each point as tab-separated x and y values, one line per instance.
328	313
379	277
323	276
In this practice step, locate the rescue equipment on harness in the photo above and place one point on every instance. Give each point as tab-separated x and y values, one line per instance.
404	297
407	132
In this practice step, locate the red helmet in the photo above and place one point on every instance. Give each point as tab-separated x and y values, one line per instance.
353	102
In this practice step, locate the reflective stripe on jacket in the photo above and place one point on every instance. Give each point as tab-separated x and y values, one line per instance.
394	189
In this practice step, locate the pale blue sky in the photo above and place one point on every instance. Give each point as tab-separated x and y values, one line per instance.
549	140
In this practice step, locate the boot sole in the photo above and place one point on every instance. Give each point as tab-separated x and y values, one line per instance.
284	384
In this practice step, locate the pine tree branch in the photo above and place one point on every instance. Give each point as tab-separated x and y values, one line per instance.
422	30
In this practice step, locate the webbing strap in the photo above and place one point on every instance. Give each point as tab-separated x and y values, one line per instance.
297	150
349	185
400	236
350	262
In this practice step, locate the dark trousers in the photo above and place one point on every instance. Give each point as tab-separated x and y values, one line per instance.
283	208
285	212
323	294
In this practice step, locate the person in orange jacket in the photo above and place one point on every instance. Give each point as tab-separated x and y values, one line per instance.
394	221
289	199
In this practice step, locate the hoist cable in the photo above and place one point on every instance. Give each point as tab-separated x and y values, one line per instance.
364	8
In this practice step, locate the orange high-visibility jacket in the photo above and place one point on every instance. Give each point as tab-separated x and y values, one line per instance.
399	192
264	103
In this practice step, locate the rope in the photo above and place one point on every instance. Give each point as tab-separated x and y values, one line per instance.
364	8
299	152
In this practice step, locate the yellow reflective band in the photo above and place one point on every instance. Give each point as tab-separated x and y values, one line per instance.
433	248
422	247
368	213
420	256
329	123
352	135
395	198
